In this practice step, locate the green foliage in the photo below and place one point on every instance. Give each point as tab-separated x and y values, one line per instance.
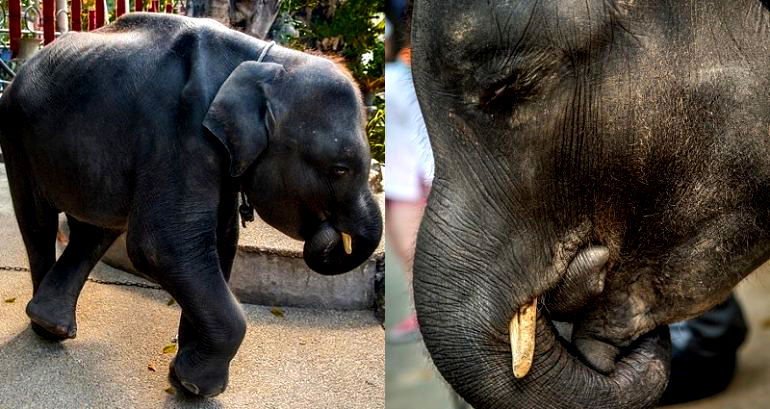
375	129
353	30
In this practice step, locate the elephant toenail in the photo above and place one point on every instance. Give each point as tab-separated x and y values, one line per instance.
191	387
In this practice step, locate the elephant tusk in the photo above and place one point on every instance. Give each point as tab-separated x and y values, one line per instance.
522	330
347	242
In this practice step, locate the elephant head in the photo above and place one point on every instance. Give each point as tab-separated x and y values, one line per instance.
296	140
586	173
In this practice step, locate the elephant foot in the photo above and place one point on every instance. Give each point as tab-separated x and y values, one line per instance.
51	321
193	382
43	333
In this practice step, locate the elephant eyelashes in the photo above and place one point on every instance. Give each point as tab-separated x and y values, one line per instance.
501	96
339	171
505	93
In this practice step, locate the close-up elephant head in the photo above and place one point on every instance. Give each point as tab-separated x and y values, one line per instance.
304	169
602	167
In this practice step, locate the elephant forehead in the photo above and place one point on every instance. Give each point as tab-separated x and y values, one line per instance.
513	22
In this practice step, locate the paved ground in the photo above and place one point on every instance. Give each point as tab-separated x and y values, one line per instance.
412	381
305	359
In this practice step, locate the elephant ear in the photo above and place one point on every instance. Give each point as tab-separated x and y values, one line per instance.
238	115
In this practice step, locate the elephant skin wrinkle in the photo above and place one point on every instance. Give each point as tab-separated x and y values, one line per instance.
647	122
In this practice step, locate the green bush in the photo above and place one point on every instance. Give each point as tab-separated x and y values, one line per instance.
353	30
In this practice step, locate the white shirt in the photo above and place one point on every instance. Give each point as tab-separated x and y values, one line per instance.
408	155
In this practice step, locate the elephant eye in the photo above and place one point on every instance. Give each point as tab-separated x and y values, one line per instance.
500	95
339	171
507	92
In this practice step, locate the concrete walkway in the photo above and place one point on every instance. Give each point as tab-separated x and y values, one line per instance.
290	358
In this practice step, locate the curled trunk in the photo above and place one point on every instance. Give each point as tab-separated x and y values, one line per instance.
326	253
464	316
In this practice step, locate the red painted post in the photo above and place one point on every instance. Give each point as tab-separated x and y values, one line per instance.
14	25
154	6
76	14
49	21
91	19
169	8
120	7
139	5
100	6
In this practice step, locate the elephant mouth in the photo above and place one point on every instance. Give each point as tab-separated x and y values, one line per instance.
331	250
329	231
521	351
565	303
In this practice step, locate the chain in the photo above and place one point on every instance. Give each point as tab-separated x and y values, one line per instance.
124	283
13	268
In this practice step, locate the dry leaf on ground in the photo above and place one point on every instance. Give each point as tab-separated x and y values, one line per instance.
278	312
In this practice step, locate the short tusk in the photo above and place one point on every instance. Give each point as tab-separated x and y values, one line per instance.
347	242
522	330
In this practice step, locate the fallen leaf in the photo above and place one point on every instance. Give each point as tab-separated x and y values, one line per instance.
170	390
171	302
10	300
151	366
169	349
277	312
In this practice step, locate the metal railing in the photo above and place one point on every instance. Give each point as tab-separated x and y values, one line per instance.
31	17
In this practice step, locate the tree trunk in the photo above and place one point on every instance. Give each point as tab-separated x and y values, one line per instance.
215	9
254	17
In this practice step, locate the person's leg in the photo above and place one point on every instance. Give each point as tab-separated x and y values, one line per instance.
704	353
401	227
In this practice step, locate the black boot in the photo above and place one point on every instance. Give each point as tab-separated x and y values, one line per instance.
704	353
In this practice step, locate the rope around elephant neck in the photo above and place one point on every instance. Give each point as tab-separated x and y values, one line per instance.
265	50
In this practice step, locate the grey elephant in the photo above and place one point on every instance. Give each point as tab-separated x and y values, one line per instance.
152	126
604	164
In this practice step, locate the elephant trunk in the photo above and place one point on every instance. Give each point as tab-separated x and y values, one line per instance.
465	313
341	244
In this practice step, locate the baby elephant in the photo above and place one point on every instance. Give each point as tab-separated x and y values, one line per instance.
152	126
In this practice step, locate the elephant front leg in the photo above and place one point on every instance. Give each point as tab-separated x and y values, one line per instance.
227	244
213	324
53	305
211	331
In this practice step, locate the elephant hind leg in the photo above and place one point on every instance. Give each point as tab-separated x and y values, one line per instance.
38	221
53	306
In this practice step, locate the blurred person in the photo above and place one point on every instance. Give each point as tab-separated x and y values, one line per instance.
704	353
409	168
